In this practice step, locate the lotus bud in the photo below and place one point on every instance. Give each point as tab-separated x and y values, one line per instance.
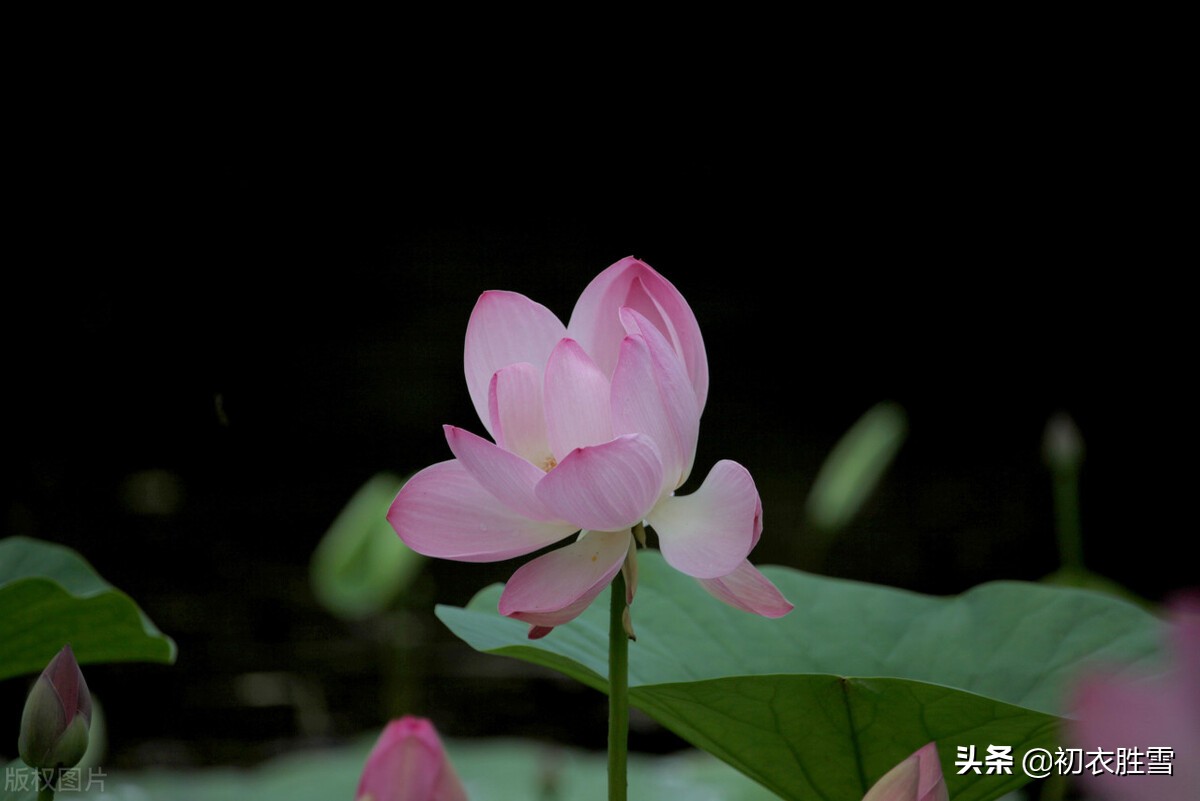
58	714
408	763
1062	444
917	778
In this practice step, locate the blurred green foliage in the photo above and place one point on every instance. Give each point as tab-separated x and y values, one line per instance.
361	566
498	770
855	466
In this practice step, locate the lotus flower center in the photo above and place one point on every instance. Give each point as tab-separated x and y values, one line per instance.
548	464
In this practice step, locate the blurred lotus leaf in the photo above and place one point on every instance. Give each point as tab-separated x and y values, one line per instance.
855	465
51	596
360	565
821	703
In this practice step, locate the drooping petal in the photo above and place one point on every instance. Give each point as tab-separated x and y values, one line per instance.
554	588
749	590
505	328
651	394
634	284
605	487
408	763
517	413
577	400
630	572
916	778
444	512
709	533
508	477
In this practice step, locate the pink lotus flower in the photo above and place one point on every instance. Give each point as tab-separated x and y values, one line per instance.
409	764
595	427
917	778
1112	713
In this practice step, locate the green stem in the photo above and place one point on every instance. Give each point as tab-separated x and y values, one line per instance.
47	780
1066	517
618	692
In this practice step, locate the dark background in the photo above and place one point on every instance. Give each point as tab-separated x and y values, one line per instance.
209	354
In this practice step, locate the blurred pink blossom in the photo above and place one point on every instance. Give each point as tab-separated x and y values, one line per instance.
594	426
1117	714
409	764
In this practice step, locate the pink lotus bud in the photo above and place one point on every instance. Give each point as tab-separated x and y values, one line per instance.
409	764
58	713
917	778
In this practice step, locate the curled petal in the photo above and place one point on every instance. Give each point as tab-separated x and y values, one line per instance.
554	588
632	283
651	394
577	405
518	414
508	477
505	328
749	590
444	512
605	487
709	533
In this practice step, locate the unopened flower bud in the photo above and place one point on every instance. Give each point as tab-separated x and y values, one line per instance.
58	713
1062	445
408	763
918	778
